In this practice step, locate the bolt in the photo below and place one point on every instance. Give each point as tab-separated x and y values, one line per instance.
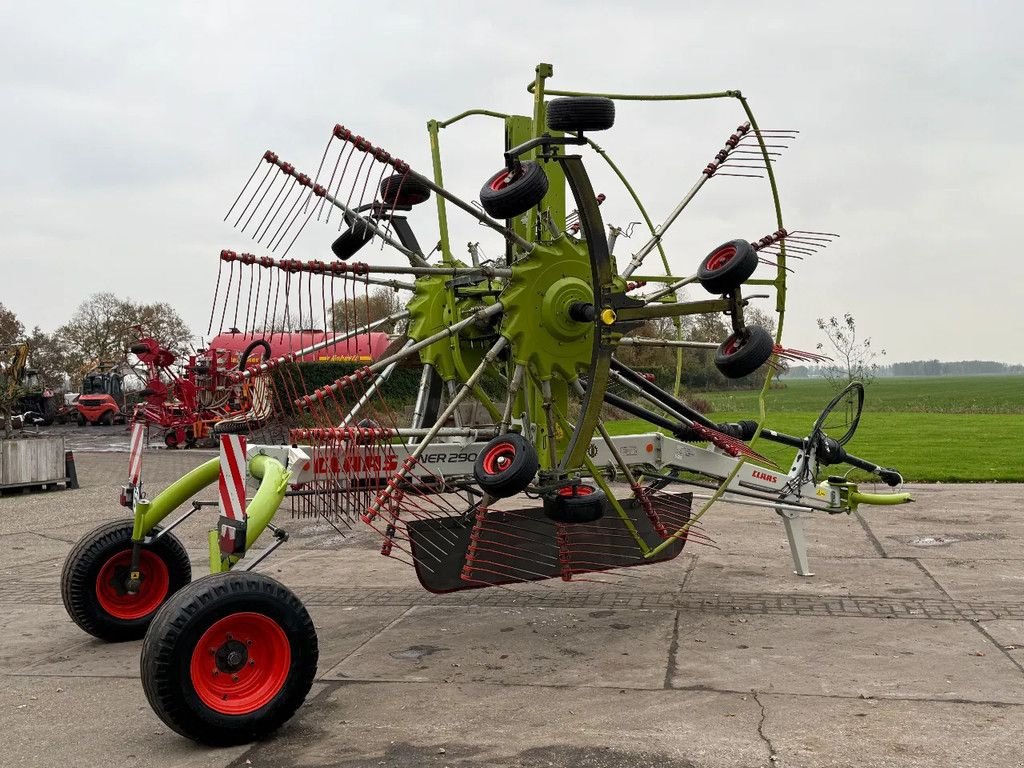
234	678
216	672
229	637
252	663
248	642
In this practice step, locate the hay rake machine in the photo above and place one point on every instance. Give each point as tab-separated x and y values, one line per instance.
502	470
190	405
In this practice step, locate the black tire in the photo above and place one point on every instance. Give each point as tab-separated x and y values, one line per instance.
232	428
106	551
402	190
727	267
171	439
107	419
575	504
48	407
352	240
581	113
82	421
182	694
244	357
506	465
507	195
743	353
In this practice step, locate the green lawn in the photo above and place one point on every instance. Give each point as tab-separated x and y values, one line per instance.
937	394
953	429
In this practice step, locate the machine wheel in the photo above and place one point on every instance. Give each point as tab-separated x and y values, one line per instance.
229	658
743	353
48	407
403	190
575	504
171	439
107	419
506	465
508	194
581	113
82	421
93	582
351	240
726	267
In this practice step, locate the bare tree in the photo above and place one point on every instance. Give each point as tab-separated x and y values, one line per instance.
11	360
11	329
853	358
103	327
377	304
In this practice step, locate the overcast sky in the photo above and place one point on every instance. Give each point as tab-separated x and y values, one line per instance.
128	128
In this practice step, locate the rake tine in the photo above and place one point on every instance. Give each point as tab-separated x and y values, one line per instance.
291	184
288	179
247	183
323	158
766	145
344	171
334	173
262	198
255	192
287	217
809	232
216	293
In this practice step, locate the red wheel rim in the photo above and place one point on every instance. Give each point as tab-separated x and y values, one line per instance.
721	257
499	458
732	344
240	663
575	490
112	582
502	180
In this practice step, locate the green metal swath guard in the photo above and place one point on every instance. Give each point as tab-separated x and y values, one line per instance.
260	511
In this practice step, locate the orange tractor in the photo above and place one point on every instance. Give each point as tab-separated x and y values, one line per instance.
102	398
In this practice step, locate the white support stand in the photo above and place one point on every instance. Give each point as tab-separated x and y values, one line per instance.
793	520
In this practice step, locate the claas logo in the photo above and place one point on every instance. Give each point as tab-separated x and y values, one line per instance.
355	463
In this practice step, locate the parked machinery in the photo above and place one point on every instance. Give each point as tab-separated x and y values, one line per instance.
527	484
102	400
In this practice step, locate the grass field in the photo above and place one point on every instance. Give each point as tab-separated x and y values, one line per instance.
941	429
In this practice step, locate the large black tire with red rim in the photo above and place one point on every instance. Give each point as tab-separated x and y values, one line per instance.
229	658
508	194
95	577
727	267
506	465
575	504
744	352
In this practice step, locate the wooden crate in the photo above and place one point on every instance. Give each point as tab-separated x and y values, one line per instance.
32	461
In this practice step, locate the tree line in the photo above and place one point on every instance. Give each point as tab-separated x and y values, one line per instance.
100	330
923	368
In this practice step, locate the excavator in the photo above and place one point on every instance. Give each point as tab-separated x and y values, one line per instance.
31	403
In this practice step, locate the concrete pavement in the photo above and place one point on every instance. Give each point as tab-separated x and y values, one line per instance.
906	648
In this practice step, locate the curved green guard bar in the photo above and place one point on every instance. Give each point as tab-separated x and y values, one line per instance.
149	513
856	497
273	485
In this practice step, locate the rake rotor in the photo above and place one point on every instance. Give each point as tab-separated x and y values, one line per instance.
517	354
